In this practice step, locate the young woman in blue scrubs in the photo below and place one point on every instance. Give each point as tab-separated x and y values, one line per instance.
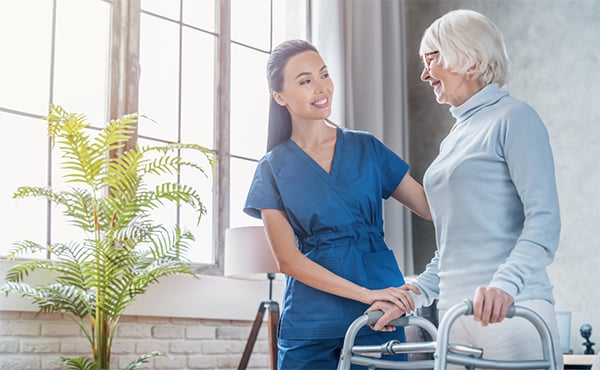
319	191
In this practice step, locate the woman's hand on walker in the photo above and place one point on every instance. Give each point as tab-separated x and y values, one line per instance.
399	296
392	310
491	305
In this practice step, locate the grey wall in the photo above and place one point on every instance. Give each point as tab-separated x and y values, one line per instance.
554	47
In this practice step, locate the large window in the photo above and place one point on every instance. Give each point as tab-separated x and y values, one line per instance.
201	79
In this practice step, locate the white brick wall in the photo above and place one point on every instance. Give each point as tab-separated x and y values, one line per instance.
29	342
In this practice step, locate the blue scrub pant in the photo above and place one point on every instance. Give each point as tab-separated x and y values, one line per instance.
324	354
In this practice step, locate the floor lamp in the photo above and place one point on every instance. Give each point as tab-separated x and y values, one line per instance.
248	256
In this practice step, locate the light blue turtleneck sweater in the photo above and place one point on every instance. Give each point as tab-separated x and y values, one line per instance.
494	204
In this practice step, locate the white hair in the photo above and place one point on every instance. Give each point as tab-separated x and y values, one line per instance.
468	42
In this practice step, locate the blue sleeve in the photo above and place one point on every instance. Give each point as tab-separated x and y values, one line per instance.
263	193
393	168
528	154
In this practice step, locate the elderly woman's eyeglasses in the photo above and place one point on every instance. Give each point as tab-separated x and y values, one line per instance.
427	59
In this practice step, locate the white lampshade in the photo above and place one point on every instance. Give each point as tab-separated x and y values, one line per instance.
247	253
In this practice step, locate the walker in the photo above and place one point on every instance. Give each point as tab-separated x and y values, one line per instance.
371	356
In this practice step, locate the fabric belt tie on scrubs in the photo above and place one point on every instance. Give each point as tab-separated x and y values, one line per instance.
354	232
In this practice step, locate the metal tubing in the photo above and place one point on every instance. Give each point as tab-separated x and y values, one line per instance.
350	353
442	356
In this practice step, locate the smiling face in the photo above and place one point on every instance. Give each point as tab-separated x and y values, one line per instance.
449	87
307	89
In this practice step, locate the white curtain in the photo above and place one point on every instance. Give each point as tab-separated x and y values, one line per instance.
362	43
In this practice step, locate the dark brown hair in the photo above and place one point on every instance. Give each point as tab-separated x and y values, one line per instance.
280	121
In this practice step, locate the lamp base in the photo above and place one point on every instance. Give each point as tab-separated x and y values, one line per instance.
273	322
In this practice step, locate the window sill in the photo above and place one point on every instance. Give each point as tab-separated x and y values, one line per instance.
209	297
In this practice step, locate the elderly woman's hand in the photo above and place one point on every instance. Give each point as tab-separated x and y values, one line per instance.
491	305
390	312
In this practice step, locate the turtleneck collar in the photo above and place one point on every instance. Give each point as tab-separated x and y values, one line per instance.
489	95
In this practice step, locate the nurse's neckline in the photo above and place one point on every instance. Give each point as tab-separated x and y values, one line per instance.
331	137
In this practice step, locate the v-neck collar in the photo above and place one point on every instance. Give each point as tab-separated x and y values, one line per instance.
334	162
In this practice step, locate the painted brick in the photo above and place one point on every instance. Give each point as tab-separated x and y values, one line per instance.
204	362
124	346
258	361
9	345
43	316
45	345
133	339
190	322
133	330
207	322
78	345
9	315
153	320
170	362
234	333
186	347
128	319
168	332
261	346
229	361
52	362
223	347
124	360
19	362
200	332
60	329
19	328
147	346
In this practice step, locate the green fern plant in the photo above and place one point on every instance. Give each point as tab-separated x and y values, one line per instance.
124	250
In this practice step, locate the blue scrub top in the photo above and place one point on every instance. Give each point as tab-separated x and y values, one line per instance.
338	222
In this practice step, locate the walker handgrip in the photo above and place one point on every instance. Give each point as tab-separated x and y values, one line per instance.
511	311
469	303
376	315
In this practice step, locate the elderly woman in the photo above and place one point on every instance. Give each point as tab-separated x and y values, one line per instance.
492	194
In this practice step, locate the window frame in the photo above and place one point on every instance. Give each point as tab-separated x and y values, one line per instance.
123	98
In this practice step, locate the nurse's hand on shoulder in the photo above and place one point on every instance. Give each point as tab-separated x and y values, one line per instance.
490	305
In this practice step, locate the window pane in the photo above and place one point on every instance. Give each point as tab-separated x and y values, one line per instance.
197	97
159	78
166	214
26	57
200	13
289	20
242	172
203	249
250	22
23	219
62	229
249	102
81	65
166	8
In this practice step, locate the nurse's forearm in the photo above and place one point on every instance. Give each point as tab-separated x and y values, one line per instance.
316	276
293	263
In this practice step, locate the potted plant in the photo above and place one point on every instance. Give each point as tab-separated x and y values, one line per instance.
124	250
